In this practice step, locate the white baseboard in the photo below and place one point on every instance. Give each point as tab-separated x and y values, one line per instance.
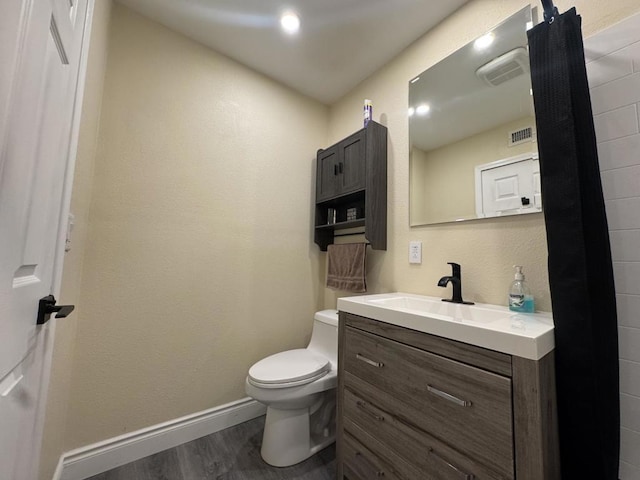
102	456
57	474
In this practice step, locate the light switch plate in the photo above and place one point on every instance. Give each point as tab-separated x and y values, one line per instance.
415	252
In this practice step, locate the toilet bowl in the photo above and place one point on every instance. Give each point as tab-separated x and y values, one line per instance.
298	387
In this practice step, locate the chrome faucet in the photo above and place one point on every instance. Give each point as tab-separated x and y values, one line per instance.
456	281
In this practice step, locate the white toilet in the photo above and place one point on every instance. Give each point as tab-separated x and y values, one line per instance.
298	387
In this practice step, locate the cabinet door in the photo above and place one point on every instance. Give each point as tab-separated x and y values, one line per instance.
327	174
352	163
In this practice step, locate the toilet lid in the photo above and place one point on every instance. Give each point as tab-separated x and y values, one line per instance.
293	366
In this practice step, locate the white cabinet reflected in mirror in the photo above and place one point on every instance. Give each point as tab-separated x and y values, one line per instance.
473	149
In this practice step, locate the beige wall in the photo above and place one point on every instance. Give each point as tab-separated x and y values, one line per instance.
486	249
199	257
443	180
65	331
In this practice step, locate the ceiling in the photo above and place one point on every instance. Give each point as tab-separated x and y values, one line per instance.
340	42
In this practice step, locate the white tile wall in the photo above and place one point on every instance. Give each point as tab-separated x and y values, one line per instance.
628	341
623	213
621	183
627	277
630	446
624	245
615	94
628	310
613	67
610	67
621	122
619	153
612	39
629	378
630	409
628	472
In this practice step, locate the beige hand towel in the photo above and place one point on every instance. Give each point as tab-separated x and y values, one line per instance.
346	269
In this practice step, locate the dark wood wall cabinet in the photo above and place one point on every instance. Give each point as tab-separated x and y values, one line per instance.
413	406
351	178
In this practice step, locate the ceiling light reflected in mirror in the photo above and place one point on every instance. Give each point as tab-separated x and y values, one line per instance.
290	23
423	109
484	41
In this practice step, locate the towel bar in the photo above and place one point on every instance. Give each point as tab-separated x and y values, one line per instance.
348	234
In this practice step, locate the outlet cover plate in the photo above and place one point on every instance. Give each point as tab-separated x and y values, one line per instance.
415	252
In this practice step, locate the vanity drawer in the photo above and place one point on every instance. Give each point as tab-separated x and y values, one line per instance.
433	458
360	463
490	360
463	406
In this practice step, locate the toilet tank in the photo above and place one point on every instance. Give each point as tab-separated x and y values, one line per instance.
324	338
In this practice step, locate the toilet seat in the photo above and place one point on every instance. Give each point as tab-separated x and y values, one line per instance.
288	369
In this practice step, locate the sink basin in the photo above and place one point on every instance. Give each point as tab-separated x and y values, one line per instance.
490	326
435	306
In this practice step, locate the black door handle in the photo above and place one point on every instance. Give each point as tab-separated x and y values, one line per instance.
525	201
47	306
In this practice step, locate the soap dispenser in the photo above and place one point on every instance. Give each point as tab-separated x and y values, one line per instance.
520	298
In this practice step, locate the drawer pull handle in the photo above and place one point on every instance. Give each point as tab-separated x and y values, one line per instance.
363	406
369	361
448	396
379	473
464	475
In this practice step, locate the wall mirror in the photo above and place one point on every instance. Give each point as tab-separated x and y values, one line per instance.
473	150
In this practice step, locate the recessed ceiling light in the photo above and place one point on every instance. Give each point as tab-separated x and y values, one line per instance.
484	41
290	22
423	109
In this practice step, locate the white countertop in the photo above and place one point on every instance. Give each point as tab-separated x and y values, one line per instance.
526	335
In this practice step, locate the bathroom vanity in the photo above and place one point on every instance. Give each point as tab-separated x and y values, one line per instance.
430	390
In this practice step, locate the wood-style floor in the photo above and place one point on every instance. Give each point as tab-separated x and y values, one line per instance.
231	454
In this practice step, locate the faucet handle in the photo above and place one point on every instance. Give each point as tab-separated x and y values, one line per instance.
455	268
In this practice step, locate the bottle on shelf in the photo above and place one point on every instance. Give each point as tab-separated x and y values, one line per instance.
368	111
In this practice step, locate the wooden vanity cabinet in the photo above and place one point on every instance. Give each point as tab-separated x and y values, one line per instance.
413	406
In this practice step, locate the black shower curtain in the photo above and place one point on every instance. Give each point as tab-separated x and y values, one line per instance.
580	269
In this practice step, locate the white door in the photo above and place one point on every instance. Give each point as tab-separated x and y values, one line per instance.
508	187
537	187
40	46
